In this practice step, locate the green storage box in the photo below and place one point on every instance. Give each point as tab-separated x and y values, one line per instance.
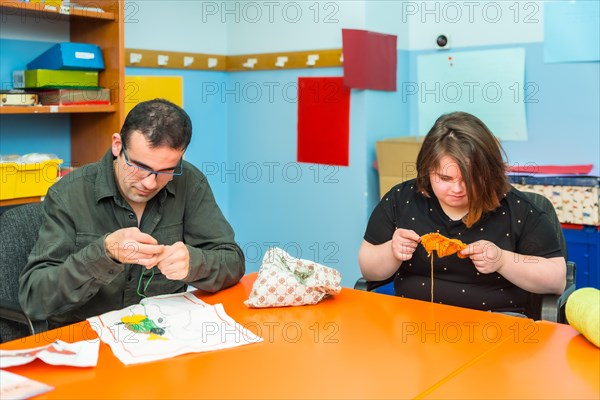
58	79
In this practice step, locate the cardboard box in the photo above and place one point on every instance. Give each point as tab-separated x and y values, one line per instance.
56	79
70	56
18	99
397	160
27	180
68	97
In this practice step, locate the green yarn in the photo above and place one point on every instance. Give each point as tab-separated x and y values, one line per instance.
142	293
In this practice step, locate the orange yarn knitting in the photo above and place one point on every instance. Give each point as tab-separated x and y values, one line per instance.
443	245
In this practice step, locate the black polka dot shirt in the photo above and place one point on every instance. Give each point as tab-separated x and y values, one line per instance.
517	225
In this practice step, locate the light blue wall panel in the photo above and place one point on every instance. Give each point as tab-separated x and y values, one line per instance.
208	148
312	211
561	106
15	56
387	116
41	134
562	109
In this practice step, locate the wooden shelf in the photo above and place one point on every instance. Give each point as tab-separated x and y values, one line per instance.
293	60
13	7
140	58
22	200
99	22
176	60
56	109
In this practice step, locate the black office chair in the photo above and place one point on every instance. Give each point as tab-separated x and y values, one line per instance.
19	227
548	307
551	307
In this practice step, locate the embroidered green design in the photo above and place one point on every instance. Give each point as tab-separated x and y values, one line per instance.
142	324
301	273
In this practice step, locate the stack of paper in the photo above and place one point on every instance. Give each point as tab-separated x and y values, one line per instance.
13	386
78	354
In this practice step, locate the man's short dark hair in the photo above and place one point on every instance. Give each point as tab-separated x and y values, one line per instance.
161	122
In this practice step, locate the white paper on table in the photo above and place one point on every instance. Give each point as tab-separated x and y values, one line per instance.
13	386
174	325
78	354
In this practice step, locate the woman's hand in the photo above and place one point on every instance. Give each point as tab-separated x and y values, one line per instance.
404	244
531	273
486	256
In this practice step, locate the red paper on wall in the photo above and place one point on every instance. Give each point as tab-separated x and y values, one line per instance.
370	60
552	169
323	121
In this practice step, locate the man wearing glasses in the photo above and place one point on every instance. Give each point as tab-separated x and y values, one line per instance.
140	222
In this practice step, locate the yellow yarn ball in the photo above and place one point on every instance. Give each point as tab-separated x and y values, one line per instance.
583	313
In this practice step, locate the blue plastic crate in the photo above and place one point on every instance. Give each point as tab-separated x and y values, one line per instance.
386	289
578	180
584	249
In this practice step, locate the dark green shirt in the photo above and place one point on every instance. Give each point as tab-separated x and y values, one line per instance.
70	277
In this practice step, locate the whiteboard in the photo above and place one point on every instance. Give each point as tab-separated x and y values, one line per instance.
488	84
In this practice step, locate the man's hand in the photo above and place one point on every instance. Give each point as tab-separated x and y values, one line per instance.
404	243
174	262
131	246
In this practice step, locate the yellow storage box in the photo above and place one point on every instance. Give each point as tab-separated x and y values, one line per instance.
27	180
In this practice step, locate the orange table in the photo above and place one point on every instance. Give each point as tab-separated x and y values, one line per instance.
354	345
558	363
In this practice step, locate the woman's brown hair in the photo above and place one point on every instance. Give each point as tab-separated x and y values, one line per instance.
466	139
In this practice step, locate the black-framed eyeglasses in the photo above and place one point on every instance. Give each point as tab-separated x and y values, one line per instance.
142	168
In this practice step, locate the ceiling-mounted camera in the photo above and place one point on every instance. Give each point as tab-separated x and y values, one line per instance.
442	42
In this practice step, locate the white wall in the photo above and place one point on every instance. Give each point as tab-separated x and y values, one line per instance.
239	27
472	23
175	26
383	17
271	26
17	24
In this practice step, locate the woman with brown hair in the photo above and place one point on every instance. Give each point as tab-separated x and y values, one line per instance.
462	192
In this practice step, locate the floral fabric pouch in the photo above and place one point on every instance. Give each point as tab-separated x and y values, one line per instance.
287	281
